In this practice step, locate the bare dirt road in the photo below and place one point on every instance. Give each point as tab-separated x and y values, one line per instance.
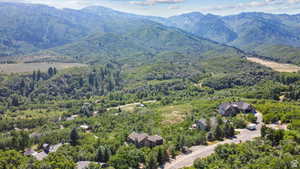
186	160
279	67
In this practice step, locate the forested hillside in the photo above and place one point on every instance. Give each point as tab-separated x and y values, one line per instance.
262	33
150	42
27	28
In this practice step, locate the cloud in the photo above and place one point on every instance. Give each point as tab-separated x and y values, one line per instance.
254	5
153	2
294	1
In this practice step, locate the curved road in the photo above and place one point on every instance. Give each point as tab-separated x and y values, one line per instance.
202	151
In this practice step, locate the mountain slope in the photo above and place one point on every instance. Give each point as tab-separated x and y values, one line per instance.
208	26
280	53
245	30
26	28
149	42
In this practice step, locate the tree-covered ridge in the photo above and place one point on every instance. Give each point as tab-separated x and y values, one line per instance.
27	28
279	53
149	42
245	30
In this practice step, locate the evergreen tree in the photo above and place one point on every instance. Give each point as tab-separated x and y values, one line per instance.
39	75
54	71
50	72
34	76
74	137
81	82
228	129
100	154
162	156
151	161
91	80
218	133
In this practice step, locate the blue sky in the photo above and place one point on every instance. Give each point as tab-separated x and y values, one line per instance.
174	7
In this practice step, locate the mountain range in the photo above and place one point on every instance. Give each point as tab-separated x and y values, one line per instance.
98	34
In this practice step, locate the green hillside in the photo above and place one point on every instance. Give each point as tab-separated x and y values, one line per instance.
280	53
150	41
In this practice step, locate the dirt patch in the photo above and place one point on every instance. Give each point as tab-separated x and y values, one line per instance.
279	67
174	114
173	117
30	67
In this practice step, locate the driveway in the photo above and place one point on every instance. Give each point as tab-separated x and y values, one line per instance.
202	151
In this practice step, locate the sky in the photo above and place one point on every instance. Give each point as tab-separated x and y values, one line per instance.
168	8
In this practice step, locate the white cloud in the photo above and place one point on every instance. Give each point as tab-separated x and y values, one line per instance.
293	1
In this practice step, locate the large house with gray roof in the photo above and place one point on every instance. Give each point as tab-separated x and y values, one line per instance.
233	108
143	139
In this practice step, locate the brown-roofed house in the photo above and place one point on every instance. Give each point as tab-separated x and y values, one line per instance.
143	139
155	141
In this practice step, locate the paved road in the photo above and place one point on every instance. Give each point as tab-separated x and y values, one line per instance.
204	151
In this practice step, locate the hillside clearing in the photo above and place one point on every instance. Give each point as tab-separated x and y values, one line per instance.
279	67
130	107
29	67
175	113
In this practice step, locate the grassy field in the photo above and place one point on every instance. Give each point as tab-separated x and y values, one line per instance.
279	67
175	113
29	67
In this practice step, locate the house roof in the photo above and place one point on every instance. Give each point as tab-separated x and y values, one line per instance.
224	106
40	156
202	121
84	126
35	135
138	136
155	138
29	152
82	164
55	147
240	105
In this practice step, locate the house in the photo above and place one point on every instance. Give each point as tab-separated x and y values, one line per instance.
85	164
233	108
82	164
73	117
202	124
205	124
153	141
143	139
40	156
84	127
139	139
55	147
245	107
46	147
29	152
